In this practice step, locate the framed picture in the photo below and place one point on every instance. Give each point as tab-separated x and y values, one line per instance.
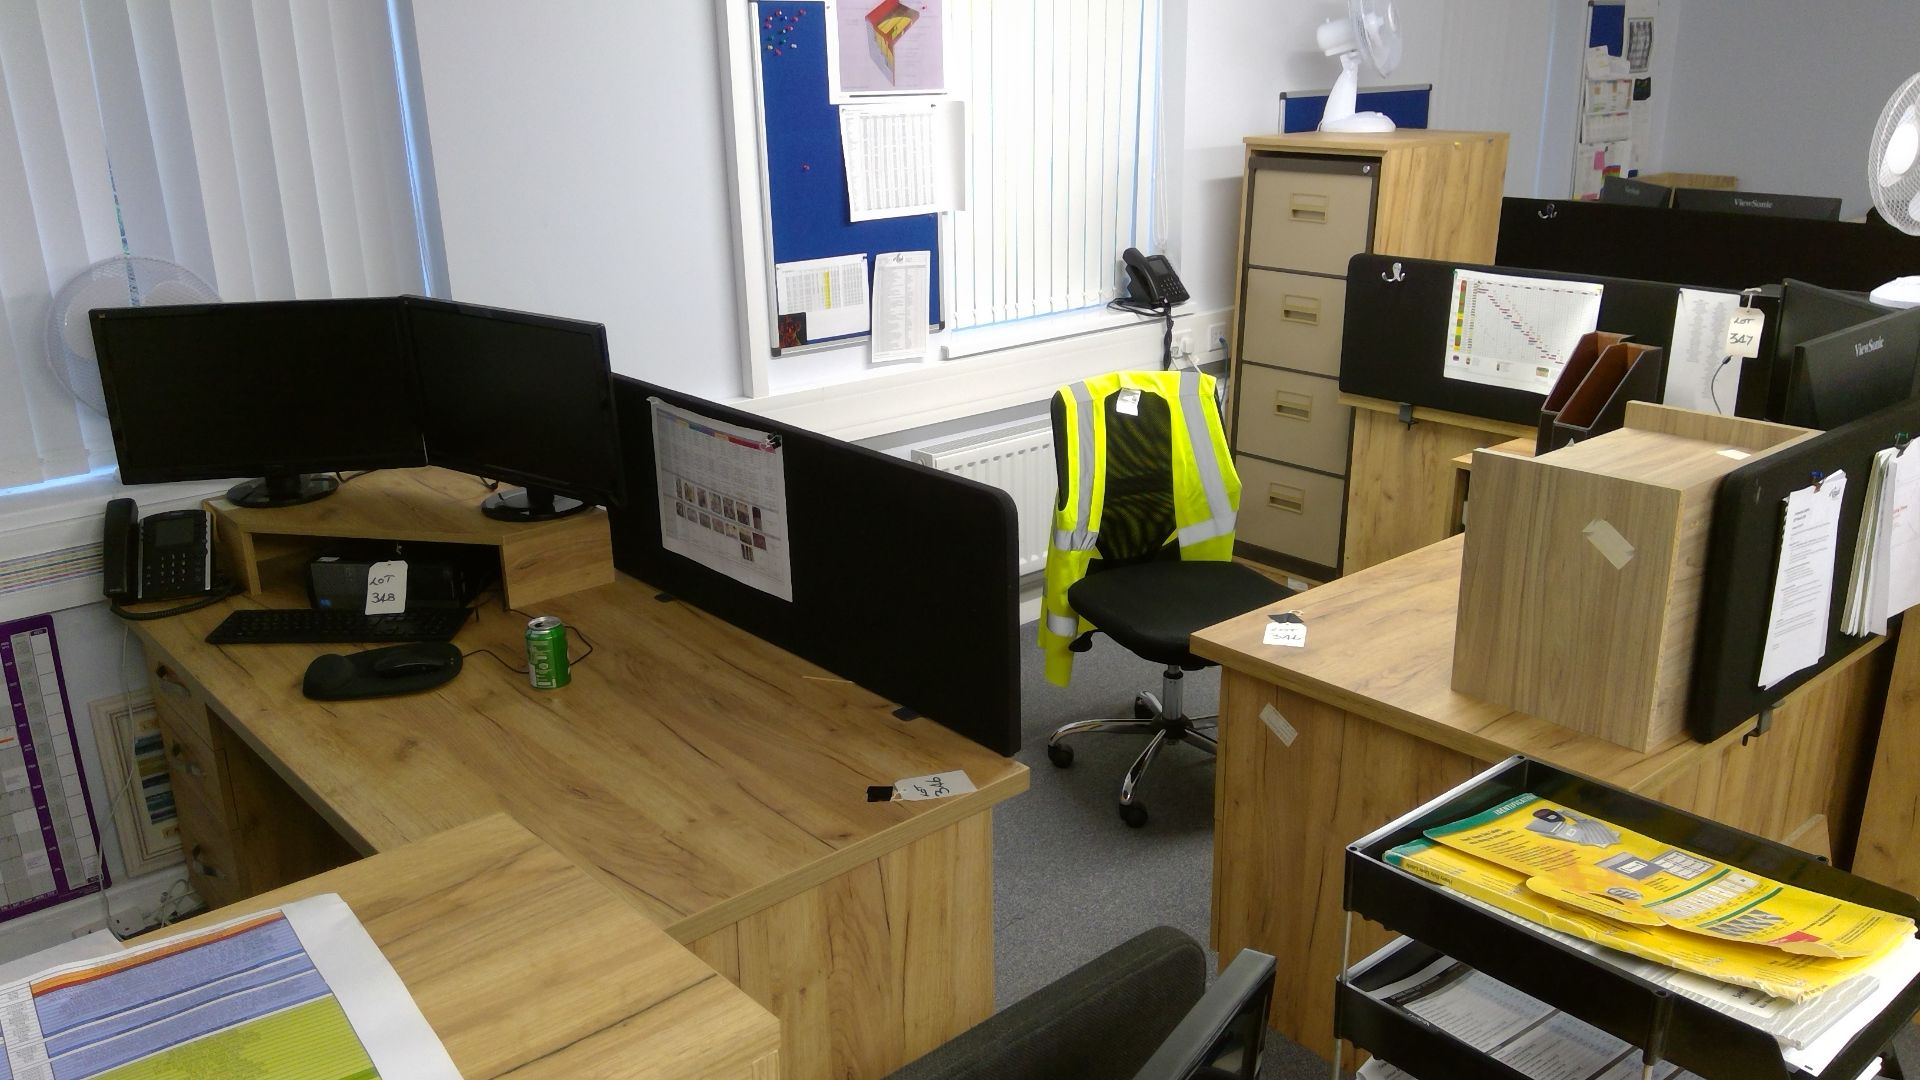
135	762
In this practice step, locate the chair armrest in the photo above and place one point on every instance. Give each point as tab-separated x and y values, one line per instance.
1104	1019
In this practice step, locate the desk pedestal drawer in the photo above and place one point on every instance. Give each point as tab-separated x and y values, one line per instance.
1293	417
213	868
193	765
1291	511
175	701
1293	320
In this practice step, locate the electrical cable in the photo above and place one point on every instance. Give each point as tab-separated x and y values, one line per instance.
221	590
584	640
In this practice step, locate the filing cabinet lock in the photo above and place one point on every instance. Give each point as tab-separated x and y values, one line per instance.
1283	497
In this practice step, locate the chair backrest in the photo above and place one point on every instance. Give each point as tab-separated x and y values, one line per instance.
1137	521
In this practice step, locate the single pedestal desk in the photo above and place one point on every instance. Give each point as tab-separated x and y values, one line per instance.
714	781
1372	727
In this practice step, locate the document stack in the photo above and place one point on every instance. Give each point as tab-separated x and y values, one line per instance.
1886	561
1793	963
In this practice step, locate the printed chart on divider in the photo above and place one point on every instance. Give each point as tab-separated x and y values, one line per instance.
1516	332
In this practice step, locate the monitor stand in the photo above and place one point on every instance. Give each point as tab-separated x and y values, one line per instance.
282	489
530	504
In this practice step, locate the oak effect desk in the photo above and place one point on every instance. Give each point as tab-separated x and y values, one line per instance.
524	966
715	781
1372	728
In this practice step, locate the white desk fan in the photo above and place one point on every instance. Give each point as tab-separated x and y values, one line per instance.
1368	28
1893	176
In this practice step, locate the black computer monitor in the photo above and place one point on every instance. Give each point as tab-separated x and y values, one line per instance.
283	390
1816	207
1843	376
1807	312
1619	189
526	399
1224	1035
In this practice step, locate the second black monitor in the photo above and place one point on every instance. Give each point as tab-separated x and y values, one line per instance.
522	398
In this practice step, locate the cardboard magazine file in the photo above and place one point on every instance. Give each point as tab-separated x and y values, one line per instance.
1624	372
1585	354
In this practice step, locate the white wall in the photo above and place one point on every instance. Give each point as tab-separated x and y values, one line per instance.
578	158
581	167
1783	94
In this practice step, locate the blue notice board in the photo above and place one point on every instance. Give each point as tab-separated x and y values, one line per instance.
1406	106
1608	27
806	175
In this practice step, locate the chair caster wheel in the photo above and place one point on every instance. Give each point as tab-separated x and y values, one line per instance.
1142	710
1060	754
1134	814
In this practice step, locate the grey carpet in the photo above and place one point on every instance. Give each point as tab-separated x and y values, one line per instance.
1071	880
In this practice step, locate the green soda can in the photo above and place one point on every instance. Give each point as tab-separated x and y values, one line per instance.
547	653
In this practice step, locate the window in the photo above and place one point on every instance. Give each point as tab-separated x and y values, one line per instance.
262	145
1063	125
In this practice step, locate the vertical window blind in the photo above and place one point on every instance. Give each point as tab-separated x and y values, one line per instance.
260	144
1063	133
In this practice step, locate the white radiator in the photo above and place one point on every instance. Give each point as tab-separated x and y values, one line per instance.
1018	461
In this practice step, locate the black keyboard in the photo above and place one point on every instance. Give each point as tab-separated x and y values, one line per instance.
277	626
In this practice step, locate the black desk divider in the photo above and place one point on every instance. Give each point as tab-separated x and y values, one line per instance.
903	576
1727	251
1711	1044
1743	551
1395	345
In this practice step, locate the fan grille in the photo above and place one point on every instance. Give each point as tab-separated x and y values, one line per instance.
1893	171
123	281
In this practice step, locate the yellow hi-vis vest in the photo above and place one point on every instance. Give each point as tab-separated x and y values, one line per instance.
1206	491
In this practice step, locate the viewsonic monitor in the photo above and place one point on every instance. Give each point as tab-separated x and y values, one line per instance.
1815	207
1808	312
522	398
1843	376
283	391
1619	189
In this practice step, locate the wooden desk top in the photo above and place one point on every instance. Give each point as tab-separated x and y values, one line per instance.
1367	142
1380	645
524	965
701	771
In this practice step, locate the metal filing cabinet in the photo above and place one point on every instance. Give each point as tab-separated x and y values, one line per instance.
1312	202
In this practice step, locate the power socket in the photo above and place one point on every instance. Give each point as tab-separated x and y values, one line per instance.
1183	344
1217	337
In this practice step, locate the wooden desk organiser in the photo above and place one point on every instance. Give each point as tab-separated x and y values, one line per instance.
1548	623
538	560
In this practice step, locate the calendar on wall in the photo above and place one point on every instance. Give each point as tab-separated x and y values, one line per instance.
49	840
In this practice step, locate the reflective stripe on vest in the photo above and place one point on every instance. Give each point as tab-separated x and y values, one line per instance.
1066	626
1206	462
1081	538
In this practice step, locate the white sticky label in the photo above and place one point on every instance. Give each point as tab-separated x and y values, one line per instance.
1286	633
1608	542
1128	403
387	588
1277	724
1743	333
1737	455
932	786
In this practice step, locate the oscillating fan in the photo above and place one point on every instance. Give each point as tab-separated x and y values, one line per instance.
1368	28
122	281
1893	175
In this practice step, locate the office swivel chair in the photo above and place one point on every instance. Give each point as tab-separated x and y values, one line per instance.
1138	589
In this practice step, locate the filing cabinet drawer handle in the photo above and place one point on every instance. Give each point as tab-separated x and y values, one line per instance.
1300	309
1291	499
1311	209
187	765
205	868
1292	406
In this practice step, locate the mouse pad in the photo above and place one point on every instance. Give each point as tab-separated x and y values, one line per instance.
394	670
